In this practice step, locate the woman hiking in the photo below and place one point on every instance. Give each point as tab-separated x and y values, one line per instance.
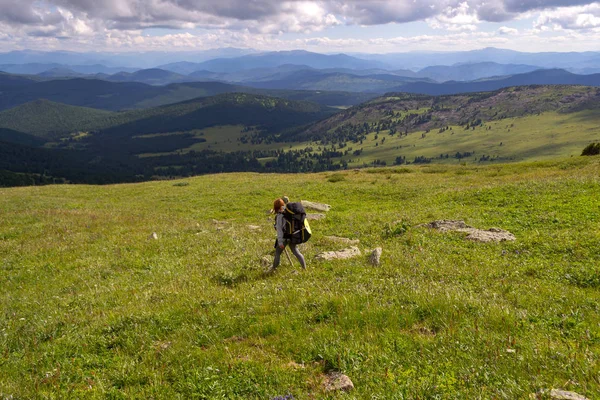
281	242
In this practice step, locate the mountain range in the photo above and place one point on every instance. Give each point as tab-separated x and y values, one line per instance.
325	88
577	62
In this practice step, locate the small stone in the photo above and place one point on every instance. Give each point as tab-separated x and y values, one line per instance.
153	236
315	216
375	257
336	381
316	206
339	255
253	227
266	261
294	365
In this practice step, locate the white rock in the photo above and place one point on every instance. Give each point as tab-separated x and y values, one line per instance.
316	206
315	216
339	255
153	236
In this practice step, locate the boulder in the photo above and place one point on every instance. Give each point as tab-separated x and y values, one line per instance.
345	254
375	257
336	381
316	206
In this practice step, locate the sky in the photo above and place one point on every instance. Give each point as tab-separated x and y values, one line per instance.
326	26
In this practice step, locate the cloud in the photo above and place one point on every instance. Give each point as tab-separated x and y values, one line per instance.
505	30
266	16
258	23
459	18
570	18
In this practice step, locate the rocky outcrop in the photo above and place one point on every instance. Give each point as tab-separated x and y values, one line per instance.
477	235
345	254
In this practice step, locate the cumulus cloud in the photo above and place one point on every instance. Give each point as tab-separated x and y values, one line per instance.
271	16
256	23
460	18
571	18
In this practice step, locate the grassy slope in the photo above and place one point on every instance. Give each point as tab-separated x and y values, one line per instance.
539	137
91	307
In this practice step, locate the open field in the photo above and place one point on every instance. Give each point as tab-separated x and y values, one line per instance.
92	307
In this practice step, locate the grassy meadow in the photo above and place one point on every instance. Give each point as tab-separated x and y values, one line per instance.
530	138
93	307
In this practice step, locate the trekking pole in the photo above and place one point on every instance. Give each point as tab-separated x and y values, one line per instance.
288	257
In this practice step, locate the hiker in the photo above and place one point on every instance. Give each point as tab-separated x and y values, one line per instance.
281	242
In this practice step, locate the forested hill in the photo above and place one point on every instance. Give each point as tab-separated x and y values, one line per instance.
269	113
118	96
52	120
47	119
405	113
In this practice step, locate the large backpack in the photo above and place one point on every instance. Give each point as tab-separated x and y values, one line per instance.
296	227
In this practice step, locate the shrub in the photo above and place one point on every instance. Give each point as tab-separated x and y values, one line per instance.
398	228
592	149
336	178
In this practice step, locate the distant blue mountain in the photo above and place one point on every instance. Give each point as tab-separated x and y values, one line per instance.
471	72
297	57
419	60
40	68
138	60
539	77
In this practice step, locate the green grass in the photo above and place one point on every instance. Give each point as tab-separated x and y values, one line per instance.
540	137
92	307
